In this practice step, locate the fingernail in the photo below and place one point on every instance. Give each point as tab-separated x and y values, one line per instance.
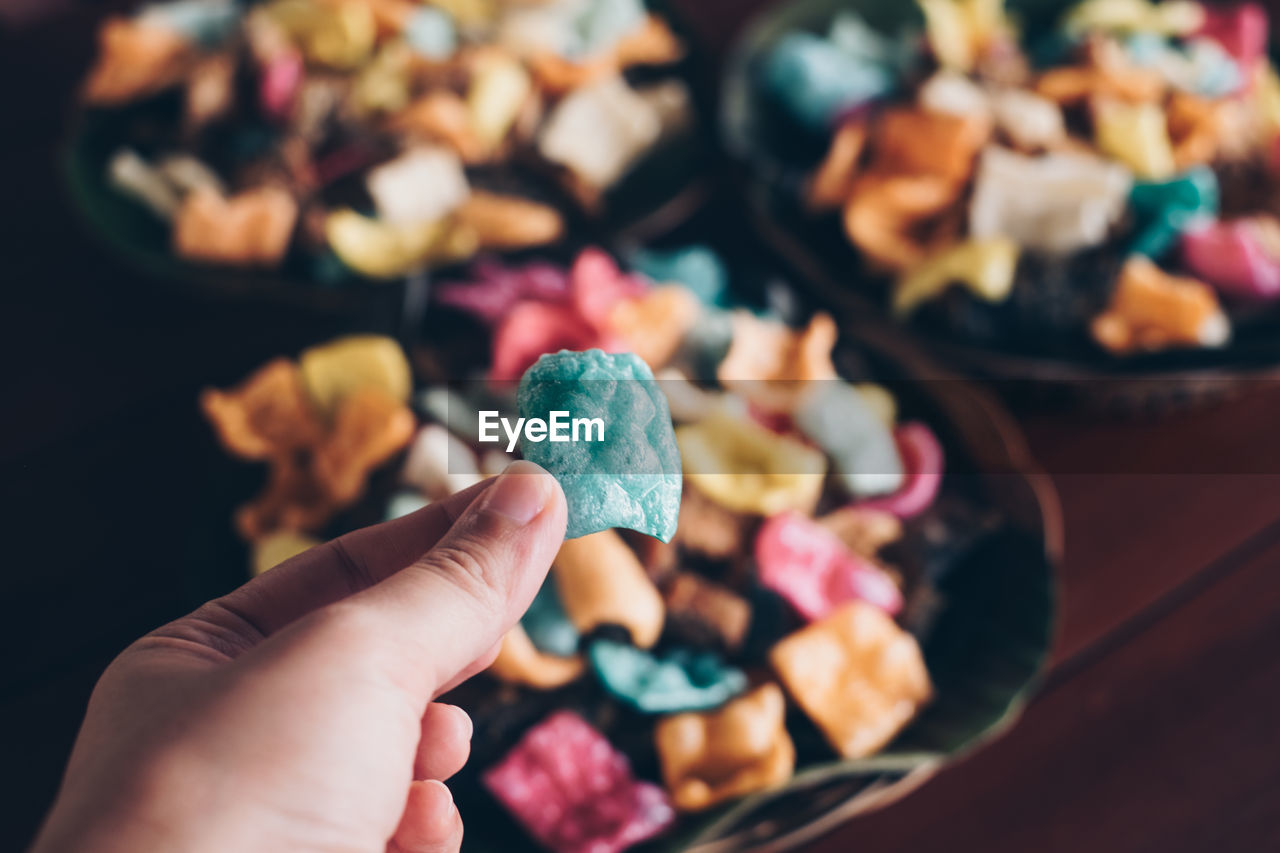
520	492
448	794
466	718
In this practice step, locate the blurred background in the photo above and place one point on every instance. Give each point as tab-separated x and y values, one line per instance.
1155	728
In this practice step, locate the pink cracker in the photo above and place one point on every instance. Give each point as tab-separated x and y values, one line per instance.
531	329
279	84
574	792
495	289
811	568
598	285
1229	256
528	327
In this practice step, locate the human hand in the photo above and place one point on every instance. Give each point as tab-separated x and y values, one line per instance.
296	712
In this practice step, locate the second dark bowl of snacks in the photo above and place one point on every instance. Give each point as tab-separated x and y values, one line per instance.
1034	191
307	149
797	581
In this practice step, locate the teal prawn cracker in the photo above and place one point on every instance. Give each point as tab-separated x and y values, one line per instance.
599	422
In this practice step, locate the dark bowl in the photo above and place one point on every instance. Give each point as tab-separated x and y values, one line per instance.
775	162
985	643
660	191
992	593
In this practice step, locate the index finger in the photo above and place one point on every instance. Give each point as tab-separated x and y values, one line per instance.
342	567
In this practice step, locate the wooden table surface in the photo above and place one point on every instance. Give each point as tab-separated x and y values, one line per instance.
1158	727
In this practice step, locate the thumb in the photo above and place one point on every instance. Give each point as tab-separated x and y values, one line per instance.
430	621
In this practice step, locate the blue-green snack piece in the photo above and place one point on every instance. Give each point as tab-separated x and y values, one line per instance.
682	681
615	455
698	268
328	270
547	625
1053	48
208	23
853	35
603	22
817	81
1164	209
838	419
431	33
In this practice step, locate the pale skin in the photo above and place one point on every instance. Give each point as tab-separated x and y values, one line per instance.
298	712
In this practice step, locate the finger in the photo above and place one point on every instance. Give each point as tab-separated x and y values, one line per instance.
445	744
440	615
430	824
332	571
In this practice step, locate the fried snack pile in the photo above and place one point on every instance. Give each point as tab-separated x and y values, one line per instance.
322	425
372	131
779	589
1112	181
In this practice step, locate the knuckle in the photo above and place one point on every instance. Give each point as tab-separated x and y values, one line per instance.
470	566
351	564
